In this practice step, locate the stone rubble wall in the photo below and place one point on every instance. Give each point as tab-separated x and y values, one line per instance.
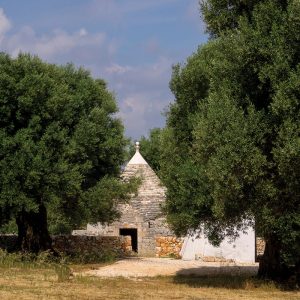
260	246
84	244
79	244
8	242
126	244
168	246
142	213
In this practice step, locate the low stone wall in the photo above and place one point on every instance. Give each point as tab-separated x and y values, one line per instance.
121	245
126	244
79	244
168	246
8	242
82	244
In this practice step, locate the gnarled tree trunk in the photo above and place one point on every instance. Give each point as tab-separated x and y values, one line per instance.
33	235
271	265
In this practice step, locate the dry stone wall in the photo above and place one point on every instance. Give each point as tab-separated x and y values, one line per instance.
80	244
165	246
126	244
143	212
260	247
168	246
8	242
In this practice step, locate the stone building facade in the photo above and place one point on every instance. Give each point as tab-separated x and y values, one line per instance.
142	217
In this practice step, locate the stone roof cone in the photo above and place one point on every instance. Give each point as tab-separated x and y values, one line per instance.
151	193
137	158
141	217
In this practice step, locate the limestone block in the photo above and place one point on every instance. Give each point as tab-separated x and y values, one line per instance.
260	246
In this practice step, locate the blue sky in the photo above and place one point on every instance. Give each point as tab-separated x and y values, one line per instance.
132	44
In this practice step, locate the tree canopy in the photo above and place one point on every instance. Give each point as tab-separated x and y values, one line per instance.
61	149
233	131
224	15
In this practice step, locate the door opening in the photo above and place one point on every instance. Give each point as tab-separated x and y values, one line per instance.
133	233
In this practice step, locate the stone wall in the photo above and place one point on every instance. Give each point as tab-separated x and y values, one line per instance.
260	247
143	212
126	244
8	242
168	246
80	244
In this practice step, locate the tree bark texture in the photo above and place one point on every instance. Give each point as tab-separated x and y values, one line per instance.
271	265
33	235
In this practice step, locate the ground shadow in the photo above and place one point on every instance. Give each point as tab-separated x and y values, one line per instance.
230	277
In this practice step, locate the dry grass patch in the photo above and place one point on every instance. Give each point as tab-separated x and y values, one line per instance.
35	283
81	268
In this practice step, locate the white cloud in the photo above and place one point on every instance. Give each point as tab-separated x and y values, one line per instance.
142	94
82	32
5	24
50	45
135	75
141	111
117	69
141	90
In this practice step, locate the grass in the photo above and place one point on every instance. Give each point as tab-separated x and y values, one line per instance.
41	278
44	283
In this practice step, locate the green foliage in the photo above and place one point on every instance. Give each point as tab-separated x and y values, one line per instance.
224	15
233	132
10	227
60	145
103	256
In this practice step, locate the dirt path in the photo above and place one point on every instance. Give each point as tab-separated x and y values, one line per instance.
150	267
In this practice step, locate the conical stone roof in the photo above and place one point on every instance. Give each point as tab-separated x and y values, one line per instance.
143	212
137	158
151	193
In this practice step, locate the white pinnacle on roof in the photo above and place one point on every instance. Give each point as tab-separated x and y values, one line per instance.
137	158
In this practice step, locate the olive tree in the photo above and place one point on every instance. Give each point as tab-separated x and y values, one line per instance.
61	149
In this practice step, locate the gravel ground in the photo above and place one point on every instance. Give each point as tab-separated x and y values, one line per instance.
150	267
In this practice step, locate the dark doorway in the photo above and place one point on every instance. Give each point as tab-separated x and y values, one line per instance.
133	233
